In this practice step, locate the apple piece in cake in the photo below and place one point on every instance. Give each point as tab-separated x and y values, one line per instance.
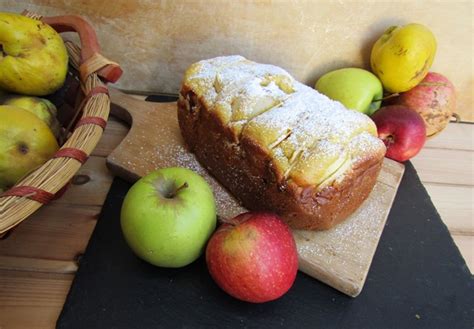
276	143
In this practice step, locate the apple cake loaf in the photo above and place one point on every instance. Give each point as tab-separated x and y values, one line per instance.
277	144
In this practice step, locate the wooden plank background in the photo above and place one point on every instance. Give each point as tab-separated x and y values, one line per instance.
155	41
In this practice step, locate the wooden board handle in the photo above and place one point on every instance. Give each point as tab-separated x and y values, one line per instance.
123	105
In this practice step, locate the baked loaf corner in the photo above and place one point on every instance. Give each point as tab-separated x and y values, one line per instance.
277	144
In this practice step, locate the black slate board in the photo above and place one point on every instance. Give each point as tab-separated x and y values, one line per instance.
418	279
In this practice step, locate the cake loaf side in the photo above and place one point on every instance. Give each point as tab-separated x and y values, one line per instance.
277	144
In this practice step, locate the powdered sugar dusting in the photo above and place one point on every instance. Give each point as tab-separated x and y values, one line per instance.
265	104
219	78
349	247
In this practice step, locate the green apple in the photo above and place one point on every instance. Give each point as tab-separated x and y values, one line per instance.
355	88
168	216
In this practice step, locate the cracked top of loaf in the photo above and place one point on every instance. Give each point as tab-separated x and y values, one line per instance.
312	140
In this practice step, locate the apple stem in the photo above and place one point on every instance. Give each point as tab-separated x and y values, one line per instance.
173	193
386	97
389	140
456	117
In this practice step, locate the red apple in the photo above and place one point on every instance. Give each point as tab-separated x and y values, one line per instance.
434	98
402	130
253	257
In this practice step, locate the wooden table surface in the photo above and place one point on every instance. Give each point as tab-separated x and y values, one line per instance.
39	259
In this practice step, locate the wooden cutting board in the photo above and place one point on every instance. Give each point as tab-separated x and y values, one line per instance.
339	257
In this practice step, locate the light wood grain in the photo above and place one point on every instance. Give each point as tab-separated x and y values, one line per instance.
445	166
454	137
455	205
154	41
115	132
466	246
16	263
94	192
340	257
59	231
31	300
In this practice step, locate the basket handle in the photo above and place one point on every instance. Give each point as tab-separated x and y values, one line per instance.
90	49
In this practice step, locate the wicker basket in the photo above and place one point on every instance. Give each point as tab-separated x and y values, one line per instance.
84	104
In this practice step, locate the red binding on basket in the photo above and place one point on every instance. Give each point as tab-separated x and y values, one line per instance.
97	90
98	121
73	153
31	193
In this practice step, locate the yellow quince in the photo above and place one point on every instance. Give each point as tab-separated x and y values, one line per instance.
26	142
33	58
402	56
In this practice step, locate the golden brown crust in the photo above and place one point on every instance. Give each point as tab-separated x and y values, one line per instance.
247	171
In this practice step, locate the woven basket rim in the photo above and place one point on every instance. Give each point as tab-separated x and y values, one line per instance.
56	173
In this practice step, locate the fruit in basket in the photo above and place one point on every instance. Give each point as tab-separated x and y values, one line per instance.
168	216
42	108
356	88
253	257
402	130
26	142
434	98
33	58
402	56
